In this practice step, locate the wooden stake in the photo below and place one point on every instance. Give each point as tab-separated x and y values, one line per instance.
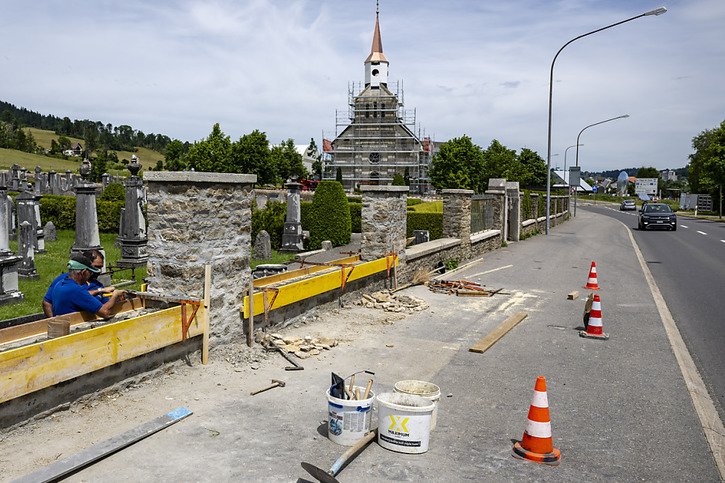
250	320
207	303
352	383
367	389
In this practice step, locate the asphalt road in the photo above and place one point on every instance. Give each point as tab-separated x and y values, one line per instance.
689	267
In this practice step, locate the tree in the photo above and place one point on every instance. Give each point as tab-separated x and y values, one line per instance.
533	168
456	164
338	175
174	156
212	153
330	215
287	161
707	164
406	176
251	155
398	180
500	162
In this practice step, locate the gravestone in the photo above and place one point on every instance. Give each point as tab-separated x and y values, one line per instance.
292	235
87	236
27	251
326	245
50	233
421	236
263	246
27	207
132	237
8	260
54	183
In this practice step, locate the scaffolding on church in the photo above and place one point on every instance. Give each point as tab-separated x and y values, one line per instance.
375	140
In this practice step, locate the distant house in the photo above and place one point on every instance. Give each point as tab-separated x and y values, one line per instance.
75	150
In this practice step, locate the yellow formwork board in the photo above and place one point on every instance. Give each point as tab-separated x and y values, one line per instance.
296	291
33	367
301	272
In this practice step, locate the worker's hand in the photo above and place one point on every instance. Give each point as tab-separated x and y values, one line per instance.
118	295
107	290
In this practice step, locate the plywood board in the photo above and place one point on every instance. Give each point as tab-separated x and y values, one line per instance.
484	344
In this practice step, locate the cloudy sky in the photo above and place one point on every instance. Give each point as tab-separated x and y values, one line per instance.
473	67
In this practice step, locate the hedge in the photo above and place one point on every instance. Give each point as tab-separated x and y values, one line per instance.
413	201
356	217
433	222
330	218
271	219
113	192
526	206
61	210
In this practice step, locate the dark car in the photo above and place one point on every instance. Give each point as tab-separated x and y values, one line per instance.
627	205
657	215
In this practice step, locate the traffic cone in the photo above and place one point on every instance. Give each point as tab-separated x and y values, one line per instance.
592	281
594	326
537	444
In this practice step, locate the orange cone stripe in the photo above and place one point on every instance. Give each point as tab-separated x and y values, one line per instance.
540	415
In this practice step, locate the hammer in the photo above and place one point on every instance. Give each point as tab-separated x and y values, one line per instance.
275	383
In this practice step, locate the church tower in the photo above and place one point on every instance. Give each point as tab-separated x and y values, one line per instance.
376	65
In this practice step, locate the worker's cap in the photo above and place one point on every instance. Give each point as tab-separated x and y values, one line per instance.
81	262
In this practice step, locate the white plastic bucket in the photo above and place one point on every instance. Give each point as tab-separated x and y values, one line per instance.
348	420
424	389
404	422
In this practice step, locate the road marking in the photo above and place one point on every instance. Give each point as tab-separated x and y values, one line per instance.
705	408
490	271
684	226
701	232
722	241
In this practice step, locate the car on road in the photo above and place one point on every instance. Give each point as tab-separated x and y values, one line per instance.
657	216
627	205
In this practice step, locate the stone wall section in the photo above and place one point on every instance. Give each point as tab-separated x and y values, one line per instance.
384	221
196	219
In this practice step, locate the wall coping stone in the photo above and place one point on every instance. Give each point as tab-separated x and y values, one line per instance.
428	248
541	218
484	235
198	177
385	188
457	192
528	222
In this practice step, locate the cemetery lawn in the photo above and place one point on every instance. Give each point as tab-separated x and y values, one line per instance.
52	263
277	257
427	207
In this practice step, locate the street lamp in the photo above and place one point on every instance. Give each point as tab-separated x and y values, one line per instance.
657	11
565	151
577	146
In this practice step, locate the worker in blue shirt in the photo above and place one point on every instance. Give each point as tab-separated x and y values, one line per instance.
96	288
70	293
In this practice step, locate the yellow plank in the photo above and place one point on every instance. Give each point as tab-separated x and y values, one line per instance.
484	344
296	291
301	272
37	366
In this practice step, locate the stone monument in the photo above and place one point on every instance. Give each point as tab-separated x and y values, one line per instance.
262	246
8	260
27	212
37	193
292	238
27	251
50	233
87	237
132	237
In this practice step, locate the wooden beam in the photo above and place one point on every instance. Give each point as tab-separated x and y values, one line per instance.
301	272
484	344
205	317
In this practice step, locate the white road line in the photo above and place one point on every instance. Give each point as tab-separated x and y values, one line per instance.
701	232
705	408
684	226
490	271
722	241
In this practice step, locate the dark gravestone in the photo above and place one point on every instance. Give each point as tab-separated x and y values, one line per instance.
27	251
133	238
262	246
87	236
50	233
421	236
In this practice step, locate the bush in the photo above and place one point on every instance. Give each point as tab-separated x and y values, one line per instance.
413	201
61	210
433	222
306	214
526	206
114	192
271	219
354	199
330	218
356	217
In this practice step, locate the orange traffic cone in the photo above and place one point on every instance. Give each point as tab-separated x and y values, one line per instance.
592	281
537	444
594	327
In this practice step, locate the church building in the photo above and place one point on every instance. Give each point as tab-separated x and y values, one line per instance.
375	139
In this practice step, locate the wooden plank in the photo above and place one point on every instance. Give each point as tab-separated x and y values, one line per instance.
105	448
301	272
573	295
303	289
36	366
484	344
207	303
40	327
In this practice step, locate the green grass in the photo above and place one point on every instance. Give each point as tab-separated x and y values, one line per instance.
277	257
8	157
427	207
51	264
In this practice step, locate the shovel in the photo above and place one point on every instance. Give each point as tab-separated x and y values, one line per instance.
329	476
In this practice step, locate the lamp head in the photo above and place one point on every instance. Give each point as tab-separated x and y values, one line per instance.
656	11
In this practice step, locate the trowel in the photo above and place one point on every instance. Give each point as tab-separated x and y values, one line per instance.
329	476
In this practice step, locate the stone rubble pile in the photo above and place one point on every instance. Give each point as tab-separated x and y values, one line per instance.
391	302
301	347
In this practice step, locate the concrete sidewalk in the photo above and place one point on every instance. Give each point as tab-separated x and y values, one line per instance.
620	408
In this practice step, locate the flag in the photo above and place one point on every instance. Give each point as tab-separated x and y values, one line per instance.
326	146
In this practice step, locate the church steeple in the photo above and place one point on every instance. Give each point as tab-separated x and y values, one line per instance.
376	65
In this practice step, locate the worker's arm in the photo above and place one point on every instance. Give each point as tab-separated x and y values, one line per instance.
105	310
47	308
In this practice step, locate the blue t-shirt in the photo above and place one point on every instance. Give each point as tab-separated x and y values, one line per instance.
69	297
92	285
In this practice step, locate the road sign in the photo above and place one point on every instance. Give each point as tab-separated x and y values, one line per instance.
574	176
594	189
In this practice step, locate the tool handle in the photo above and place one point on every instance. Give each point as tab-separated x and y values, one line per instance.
367	389
342	460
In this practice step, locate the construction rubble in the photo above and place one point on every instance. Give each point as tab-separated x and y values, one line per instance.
392	302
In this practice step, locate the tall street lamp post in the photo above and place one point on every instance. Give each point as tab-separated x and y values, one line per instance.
577	145
657	11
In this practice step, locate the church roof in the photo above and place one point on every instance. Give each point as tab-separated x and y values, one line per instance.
376	51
